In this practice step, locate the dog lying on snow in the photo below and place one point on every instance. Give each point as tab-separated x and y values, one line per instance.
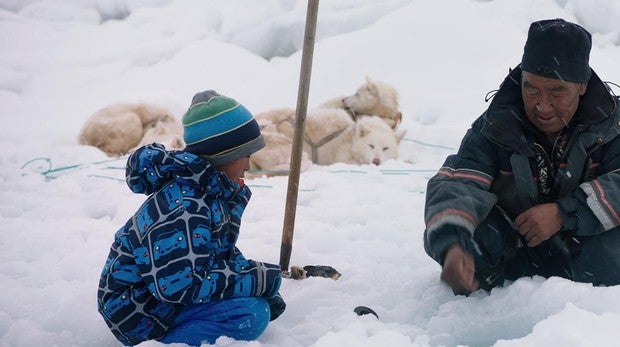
346	129
371	98
330	136
120	128
117	129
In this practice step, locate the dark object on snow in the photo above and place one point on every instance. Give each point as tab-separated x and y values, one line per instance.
363	310
276	306
299	273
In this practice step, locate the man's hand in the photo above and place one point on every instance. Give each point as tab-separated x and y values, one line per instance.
539	223
458	271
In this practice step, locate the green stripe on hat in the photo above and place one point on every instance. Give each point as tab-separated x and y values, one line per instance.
212	107
207	125
220	129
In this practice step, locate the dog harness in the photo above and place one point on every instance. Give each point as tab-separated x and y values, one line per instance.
314	146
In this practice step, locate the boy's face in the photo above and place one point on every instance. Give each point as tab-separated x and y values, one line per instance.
236	169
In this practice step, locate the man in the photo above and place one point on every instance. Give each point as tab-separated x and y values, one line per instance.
173	273
534	188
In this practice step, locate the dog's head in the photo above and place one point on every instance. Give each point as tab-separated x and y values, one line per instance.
374	142
375	98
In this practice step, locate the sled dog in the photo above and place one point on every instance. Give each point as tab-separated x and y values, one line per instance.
371	98
330	136
119	128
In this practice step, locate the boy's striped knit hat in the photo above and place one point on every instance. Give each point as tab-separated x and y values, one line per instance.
220	129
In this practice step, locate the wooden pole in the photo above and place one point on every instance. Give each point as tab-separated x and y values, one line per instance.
300	120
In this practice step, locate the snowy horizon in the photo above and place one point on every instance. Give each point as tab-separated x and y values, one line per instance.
62	61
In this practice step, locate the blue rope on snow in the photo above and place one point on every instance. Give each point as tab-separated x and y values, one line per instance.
49	171
429	144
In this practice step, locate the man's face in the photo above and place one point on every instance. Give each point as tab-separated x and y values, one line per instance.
550	103
235	169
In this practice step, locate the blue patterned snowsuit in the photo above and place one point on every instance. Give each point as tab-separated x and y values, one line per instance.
178	250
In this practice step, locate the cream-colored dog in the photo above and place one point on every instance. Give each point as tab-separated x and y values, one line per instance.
117	129
344	129
373	98
330	136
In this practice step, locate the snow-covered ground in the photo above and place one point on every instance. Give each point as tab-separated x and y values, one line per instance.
60	61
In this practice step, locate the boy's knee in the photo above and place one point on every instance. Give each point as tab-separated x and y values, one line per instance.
258	321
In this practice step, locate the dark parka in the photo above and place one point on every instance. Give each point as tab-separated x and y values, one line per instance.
179	247
495	166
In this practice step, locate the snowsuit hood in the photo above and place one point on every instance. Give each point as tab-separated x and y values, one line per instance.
153	166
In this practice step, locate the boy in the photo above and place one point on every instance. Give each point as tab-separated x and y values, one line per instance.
174	273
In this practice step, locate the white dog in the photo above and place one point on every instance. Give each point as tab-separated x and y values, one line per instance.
371	98
117	129
330	136
344	129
